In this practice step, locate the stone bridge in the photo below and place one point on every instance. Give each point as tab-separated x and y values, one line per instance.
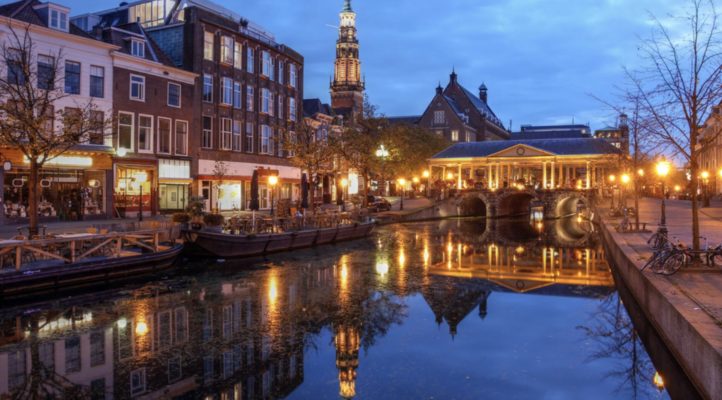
512	202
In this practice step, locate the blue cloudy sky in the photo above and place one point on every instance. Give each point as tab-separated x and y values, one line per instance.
541	59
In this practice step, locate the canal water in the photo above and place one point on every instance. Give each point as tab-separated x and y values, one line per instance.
454	309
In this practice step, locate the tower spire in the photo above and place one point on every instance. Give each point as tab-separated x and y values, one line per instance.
347	6
347	87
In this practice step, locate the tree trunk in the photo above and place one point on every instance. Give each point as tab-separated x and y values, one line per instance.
636	205
694	183
33	197
365	200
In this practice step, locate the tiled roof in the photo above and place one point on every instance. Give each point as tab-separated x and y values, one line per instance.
548	135
312	107
483	108
120	35
574	146
25	11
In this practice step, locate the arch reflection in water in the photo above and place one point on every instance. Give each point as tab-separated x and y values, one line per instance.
245	335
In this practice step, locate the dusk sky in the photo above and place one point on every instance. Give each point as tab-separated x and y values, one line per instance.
541	59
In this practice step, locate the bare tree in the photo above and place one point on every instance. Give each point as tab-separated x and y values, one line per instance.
679	87
311	151
29	93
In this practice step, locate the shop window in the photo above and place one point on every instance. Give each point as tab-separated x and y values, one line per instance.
125	130
229	196
181	138
145	133
164	132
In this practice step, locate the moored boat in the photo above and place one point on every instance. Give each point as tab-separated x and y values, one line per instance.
226	245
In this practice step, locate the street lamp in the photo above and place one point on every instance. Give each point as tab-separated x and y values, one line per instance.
402	183
140	179
416	181
663	168
705	179
625	181
640	172
612	179
426	174
272	182
382	153
344	185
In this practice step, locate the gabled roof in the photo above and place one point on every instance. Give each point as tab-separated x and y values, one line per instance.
120	36
407	119
25	11
312	107
561	147
481	105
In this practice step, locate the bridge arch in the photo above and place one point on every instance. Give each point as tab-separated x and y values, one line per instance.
567	204
474	205
514	202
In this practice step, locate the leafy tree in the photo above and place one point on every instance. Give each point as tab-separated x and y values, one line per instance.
311	150
29	92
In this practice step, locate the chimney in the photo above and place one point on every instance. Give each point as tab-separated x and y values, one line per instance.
452	77
439	89
623	120
483	93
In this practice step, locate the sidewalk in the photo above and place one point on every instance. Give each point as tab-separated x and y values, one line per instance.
686	308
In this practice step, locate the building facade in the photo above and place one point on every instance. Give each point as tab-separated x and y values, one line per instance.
78	184
246	98
459	115
711	154
347	87
153	104
617	136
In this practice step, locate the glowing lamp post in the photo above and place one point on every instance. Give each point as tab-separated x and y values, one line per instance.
402	183
344	185
662	169
705	179
427	176
272	182
383	154
140	178
612	179
625	178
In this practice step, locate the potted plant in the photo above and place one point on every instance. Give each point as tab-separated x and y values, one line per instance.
196	208
182	218
213	222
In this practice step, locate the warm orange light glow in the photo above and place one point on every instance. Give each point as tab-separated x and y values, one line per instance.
272	289
402	182
382	267
450	176
625	179
663	168
658	381
402	258
416	179
705	175
677	188
426	174
612	178
640	172
344	182
272	180
141	328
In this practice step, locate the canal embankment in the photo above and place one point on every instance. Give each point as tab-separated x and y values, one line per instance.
685	308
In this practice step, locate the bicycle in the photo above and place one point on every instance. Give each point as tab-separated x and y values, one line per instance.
681	256
658	240
659	256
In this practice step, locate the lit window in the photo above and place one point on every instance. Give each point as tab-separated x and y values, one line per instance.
208	46
137	87
454	135
227	48
468	136
250	98
238	56
174	95
226	129
137	48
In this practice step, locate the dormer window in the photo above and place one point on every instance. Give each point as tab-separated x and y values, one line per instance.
137	48
55	15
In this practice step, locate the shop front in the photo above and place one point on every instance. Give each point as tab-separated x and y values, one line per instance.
72	187
135	186
174	184
232	191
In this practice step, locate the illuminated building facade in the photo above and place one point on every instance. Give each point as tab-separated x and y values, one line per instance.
617	136
347	87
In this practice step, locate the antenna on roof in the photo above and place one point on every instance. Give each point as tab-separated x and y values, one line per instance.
572	120
510	124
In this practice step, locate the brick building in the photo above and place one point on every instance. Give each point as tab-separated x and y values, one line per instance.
617	136
246	99
459	115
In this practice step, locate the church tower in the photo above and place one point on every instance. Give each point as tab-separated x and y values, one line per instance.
347	88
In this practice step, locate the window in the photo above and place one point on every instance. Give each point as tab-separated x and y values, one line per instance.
58	19
280	72
180	331
72	77
468	136
208	46
227	48
72	354
266	64
265	100
280	144
97	128
291	108
237	135
97	348
207	137
238	56
249	137
145	133
97	81
125	130
174	95
226	133
181	138
208	88
137	48
137	382
17	368
280	107
292	75
250	98
249	60
164	133
439	118
227	94
46	72
271	103
265	139
292	138
175	370
137	87
15	67
454	135
237	95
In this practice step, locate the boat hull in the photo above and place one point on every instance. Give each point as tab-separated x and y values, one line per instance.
215	244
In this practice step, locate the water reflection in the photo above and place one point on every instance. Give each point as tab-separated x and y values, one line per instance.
226	334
